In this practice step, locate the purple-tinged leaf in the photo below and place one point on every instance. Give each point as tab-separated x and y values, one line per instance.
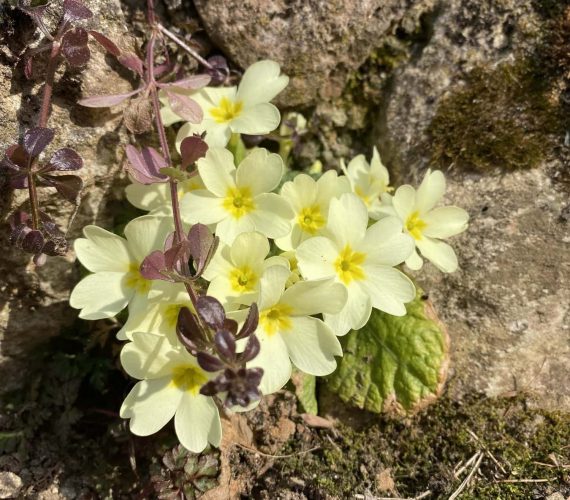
194	82
162	69
74	47
145	165
209	388
36	140
18	218
56	243
209	362
219	71
251	322
189	331
33	242
177	256
185	107
138	116
68	186
17	155
153	266
191	150
28	67
106	43
203	244
63	160
18	234
73	10
251	350
105	101
131	61
230	325
36	13
211	311
225	345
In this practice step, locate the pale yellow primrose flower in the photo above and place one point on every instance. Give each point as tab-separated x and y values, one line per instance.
428	225
239	200
170	382
310	201
287	331
235	271
243	110
155	198
158	313
362	260
368	181
115	262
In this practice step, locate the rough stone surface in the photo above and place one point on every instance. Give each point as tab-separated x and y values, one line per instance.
317	43
10	485
507	308
33	302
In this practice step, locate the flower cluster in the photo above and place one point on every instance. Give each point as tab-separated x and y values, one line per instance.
261	279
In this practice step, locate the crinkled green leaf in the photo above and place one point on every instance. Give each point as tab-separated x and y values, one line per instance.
393	364
305	390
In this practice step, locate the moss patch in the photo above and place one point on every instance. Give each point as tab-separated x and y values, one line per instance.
395	458
511	116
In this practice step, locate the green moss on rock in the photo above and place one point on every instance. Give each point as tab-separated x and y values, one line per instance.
510	116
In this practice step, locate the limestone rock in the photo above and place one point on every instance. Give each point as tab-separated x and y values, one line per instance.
317	43
507	308
10	485
33	302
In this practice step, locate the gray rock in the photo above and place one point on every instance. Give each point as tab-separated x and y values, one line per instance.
10	485
33	302
317	43
507	308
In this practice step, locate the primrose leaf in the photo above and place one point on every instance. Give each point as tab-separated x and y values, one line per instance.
394	364
305	390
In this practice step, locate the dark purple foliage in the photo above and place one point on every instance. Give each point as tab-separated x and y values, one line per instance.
75	11
145	165
74	47
191	150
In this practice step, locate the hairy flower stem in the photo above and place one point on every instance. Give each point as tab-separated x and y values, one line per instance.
178	228
42	122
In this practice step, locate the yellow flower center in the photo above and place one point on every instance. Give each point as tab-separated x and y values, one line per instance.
276	318
188	378
360	193
135	280
415	225
170	314
243	279
238	201
227	110
348	265
310	219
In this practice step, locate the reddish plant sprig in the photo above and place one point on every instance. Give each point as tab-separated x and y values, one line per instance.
36	233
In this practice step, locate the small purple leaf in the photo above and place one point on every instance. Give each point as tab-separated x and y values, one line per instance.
28	67
219	71
209	362
33	242
145	165
191	83
185	107
177	255
201	242
189	331
36	139
75	11
251	349
225	345
64	159
131	61
105	101
106	43
153	265
191	150
74	47
68	186
211	311
230	325
251	322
